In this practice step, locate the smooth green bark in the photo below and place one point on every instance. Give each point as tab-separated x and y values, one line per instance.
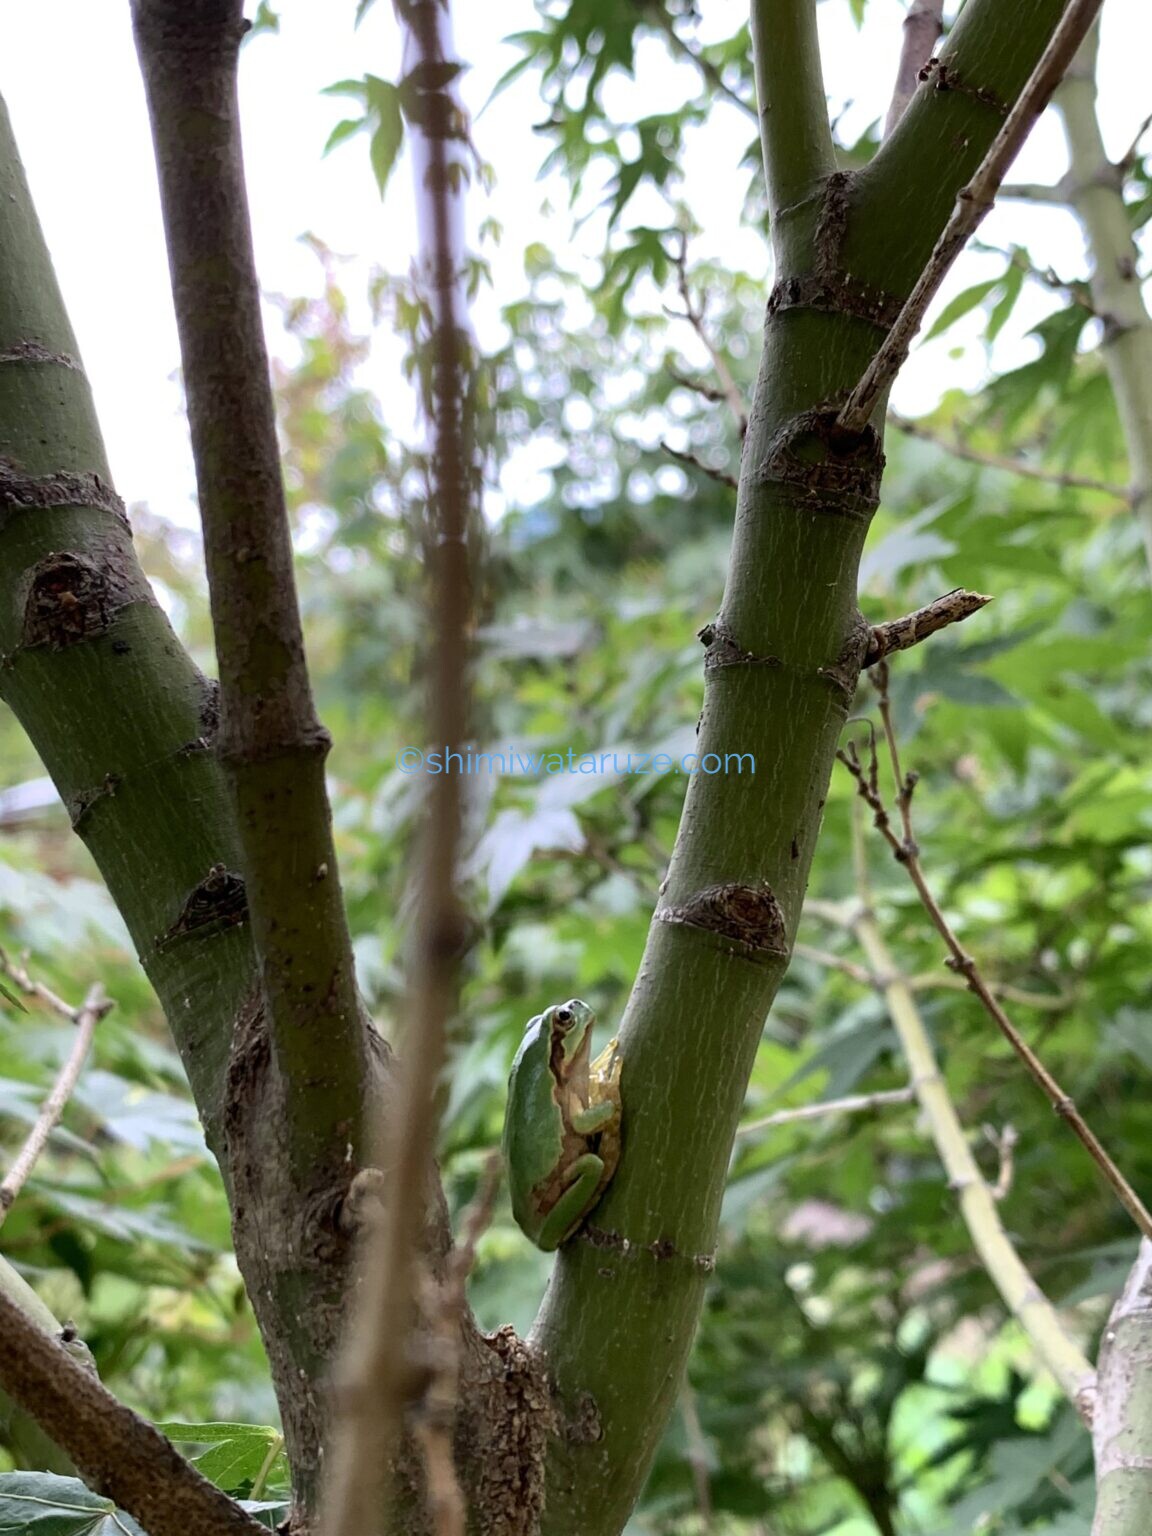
781	666
1122	1425
1096	195
125	724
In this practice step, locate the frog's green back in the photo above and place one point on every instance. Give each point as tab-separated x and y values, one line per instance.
532	1142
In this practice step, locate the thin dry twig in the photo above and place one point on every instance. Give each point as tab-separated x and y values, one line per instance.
659	17
922	26
902	634
693	312
1004	1142
705	469
1012	465
851	1104
377	1369
907	853
972	203
1021	1294
442	1307
85	1018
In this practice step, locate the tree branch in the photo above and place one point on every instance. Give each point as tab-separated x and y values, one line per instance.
85	1018
922	26
1007	462
1095	192
712	77
376	1376
907	853
118	1454
795	135
851	1104
1032	192
973	202
1021	1294
694	314
902	634
270	740
1120	1421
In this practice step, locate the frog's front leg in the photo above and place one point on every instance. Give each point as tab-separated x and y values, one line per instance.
582	1177
594	1118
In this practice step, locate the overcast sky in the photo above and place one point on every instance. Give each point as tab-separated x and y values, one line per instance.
68	71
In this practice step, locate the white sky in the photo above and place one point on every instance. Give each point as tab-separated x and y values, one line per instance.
69	73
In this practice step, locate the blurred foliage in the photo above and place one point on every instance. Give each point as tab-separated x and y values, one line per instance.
855	1371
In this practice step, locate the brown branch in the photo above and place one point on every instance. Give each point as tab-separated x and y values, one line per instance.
85	1018
907	853
1011	465
117	1454
851	1104
902	634
972	203
922	26
270	740
690	458
377	1368
1021	1294
443	1307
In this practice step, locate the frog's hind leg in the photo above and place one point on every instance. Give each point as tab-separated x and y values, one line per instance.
578	1197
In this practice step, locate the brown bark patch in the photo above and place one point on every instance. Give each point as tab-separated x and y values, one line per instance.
746	914
20	492
69	600
219	900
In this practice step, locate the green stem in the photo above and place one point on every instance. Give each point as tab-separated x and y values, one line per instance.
795	135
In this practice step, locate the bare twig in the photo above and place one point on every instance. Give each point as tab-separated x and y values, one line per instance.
1130	156
1022	1296
852	1104
922	26
659	17
694	314
906	852
1012	465
377	1366
833	962
1005	1143
902	634
1032	192
972	203
705	469
85	1018
116	1453
442	1306
697	386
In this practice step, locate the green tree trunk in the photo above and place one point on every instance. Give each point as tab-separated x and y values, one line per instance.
781	665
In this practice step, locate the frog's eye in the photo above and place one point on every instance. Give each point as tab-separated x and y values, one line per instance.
563	1017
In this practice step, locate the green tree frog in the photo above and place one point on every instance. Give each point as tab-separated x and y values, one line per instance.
562	1126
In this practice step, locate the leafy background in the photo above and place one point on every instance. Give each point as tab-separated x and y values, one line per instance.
855	1371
